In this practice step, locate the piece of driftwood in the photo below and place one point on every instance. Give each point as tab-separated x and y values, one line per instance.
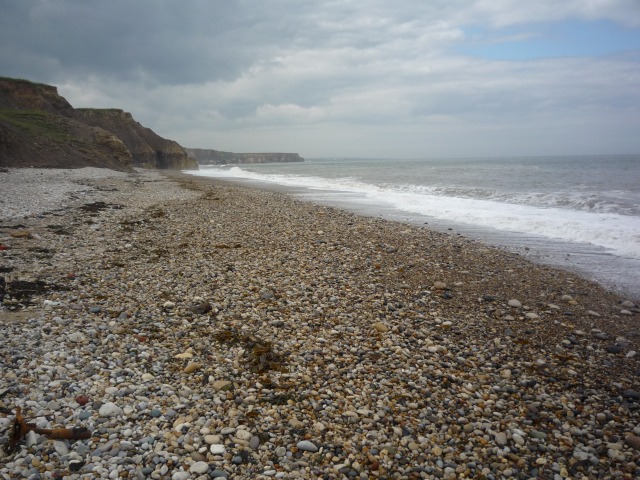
20	428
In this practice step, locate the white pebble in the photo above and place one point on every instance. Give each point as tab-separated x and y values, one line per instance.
217	449
109	409
199	467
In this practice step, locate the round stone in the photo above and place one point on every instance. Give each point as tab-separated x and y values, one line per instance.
514	303
199	468
307	446
217	449
110	409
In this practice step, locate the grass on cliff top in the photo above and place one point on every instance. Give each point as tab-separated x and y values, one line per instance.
37	123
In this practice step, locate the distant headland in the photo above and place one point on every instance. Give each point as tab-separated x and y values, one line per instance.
215	157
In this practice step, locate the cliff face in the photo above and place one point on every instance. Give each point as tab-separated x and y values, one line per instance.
36	131
40	128
148	149
215	157
18	94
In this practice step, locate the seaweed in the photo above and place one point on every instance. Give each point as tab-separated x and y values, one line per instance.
20	428
260	354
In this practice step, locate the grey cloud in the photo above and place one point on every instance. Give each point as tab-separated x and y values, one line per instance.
253	70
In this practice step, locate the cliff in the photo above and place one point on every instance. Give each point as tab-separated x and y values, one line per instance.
148	149
39	128
36	131
215	157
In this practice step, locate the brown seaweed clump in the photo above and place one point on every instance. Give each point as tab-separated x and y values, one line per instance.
260	354
20	428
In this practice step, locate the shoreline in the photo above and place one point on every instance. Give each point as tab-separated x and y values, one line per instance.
595	264
217	328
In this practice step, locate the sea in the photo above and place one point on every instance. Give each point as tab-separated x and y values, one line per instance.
580	213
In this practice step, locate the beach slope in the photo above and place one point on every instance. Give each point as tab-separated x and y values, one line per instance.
200	329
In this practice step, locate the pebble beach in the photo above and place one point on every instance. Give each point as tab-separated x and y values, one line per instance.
200	329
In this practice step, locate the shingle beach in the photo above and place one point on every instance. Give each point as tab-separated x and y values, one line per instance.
200	329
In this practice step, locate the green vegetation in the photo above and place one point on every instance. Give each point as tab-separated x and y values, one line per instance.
37	124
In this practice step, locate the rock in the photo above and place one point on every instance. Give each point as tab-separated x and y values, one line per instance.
633	441
76	337
21	234
218	474
32	439
514	303
243	435
627	304
531	315
212	439
61	448
222	385
591	313
199	468
615	348
631	395
76	465
200	308
192	367
180	476
380	327
217	449
500	438
168	305
254	443
625	312
307	446
110	409
439	286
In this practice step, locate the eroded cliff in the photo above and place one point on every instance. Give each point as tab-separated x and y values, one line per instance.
39	128
148	149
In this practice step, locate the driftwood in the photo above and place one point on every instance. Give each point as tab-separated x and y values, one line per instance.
20	428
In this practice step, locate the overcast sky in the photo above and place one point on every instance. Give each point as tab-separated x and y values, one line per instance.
346	78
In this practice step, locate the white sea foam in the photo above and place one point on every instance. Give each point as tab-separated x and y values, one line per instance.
566	217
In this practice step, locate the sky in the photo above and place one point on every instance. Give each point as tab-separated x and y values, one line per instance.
346	78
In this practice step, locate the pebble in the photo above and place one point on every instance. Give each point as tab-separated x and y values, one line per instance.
633	441
110	409
514	303
296	335
192	367
380	327
217	449
199	467
307	446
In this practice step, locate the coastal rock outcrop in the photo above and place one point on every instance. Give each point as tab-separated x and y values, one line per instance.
215	157
148	149
39	128
36	130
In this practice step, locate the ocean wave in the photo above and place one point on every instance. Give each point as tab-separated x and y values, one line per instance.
573	217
